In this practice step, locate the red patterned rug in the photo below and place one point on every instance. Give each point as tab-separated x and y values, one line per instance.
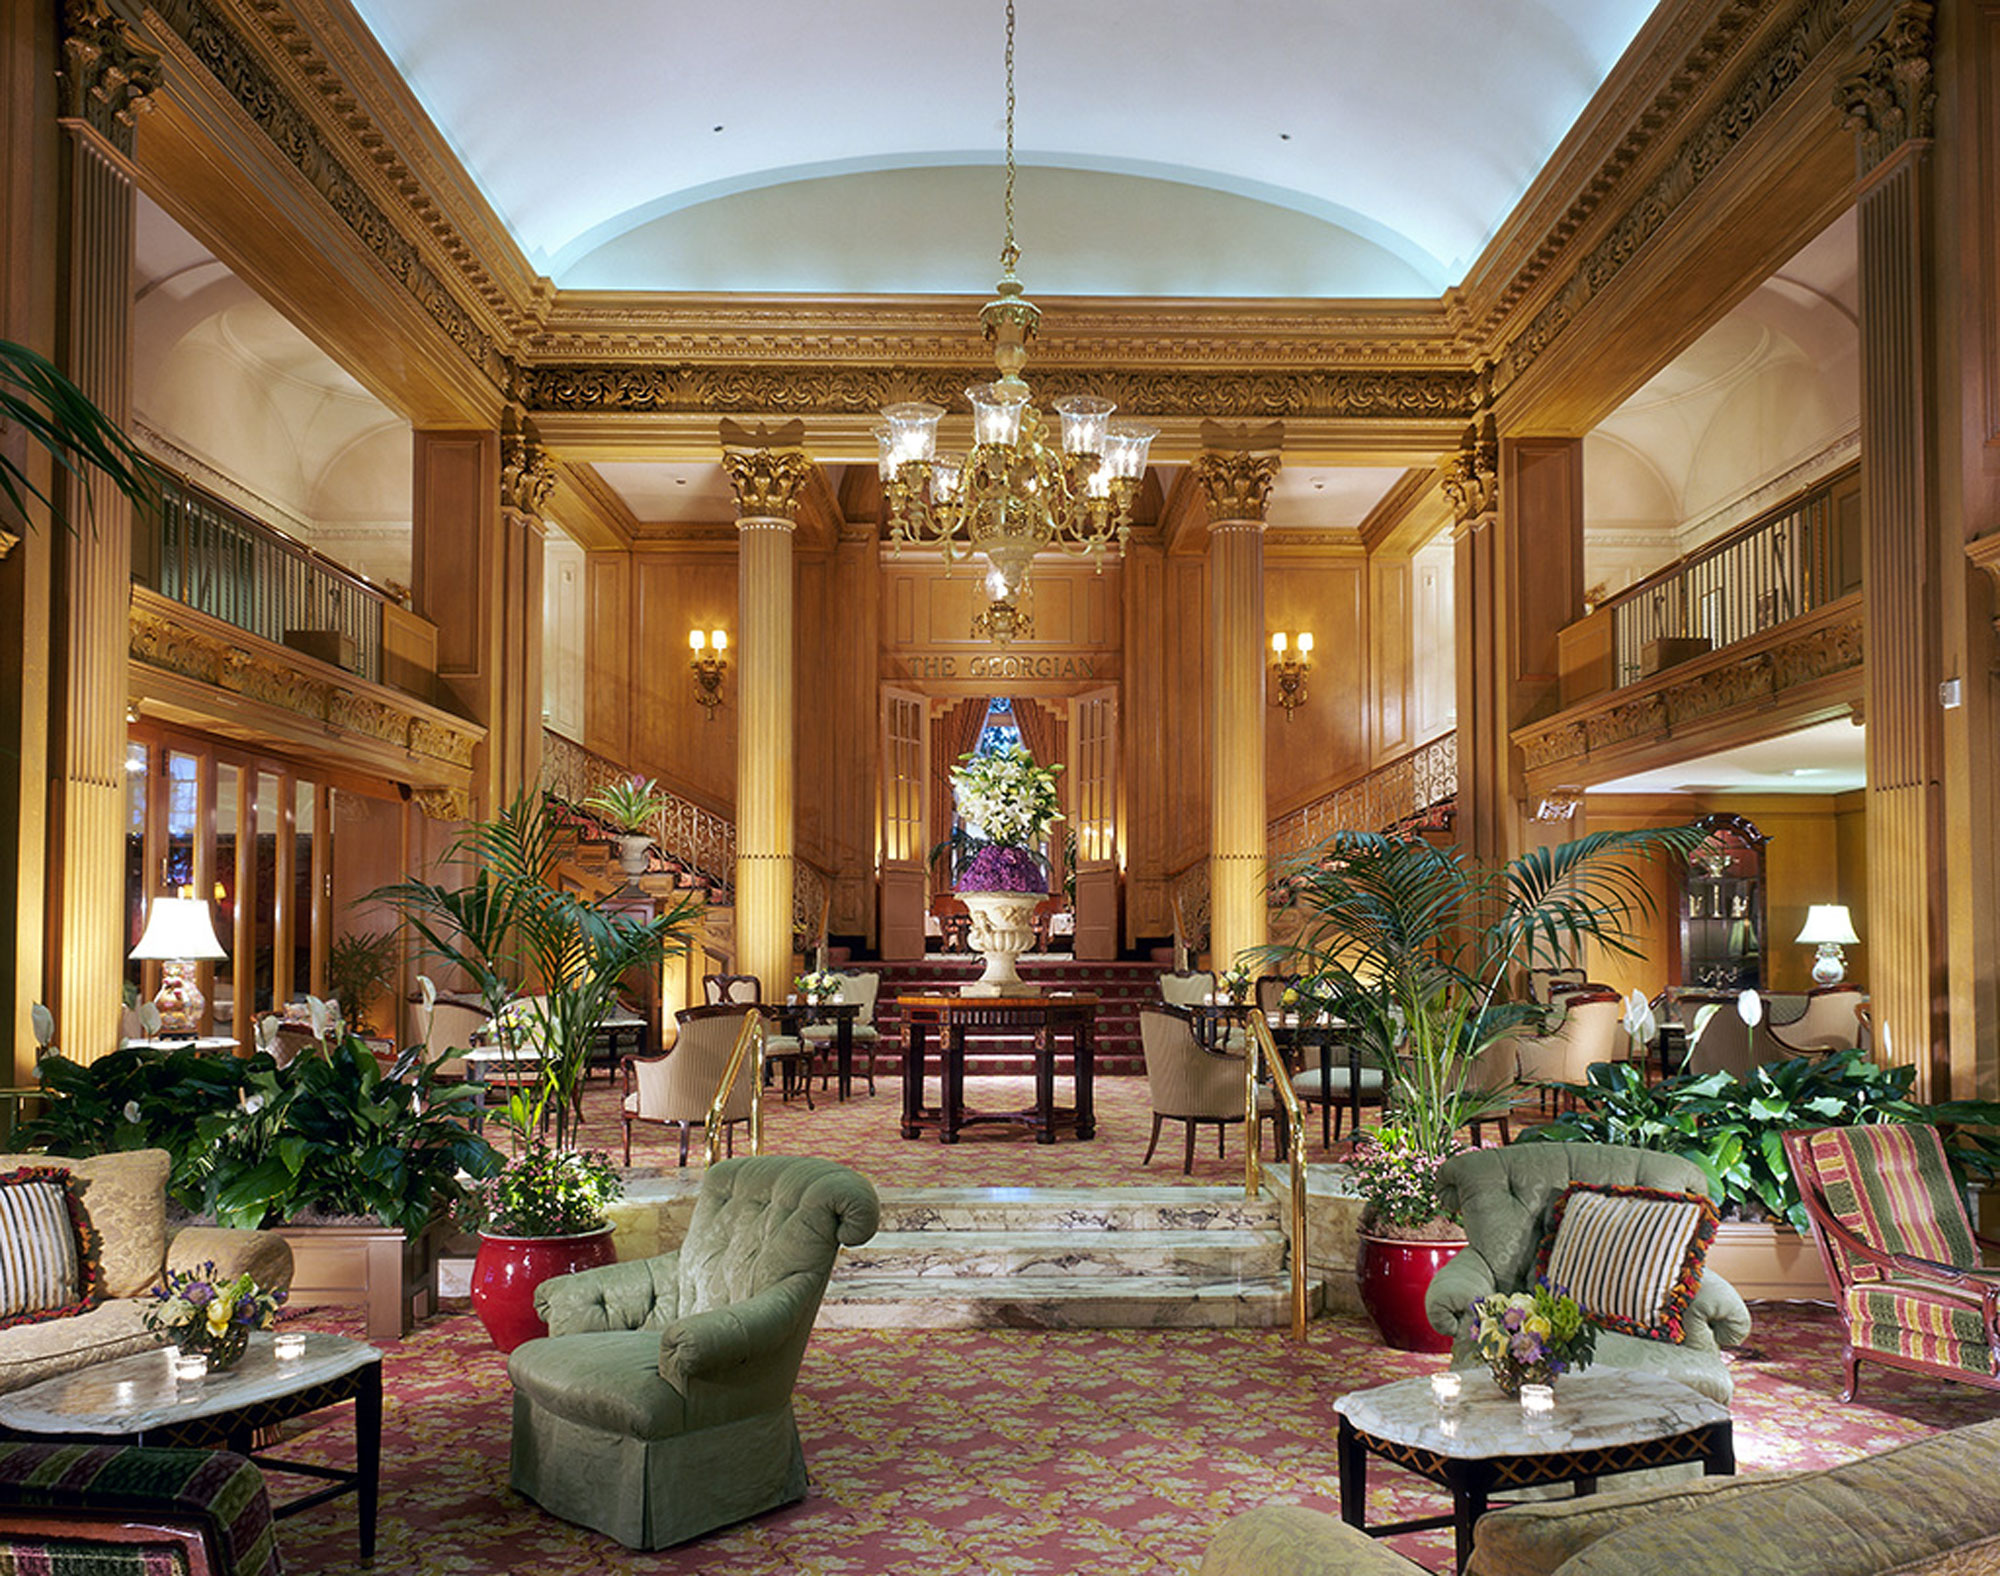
1031	1453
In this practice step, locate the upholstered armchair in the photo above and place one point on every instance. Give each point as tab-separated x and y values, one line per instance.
676	1090
659	1407
1831	1021
1504	1199
856	986
1187	987
722	990
1901	1257
1189	1082
1588	1028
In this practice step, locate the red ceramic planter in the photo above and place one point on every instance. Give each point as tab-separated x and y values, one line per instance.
508	1269
1394	1277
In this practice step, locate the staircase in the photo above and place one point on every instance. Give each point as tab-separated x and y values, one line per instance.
1121	988
1066	1258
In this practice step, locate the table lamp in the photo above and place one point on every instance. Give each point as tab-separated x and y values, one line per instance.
1828	927
179	935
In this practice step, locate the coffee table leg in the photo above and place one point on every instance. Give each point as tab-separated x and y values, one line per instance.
1353	1459
1721	1458
1471	1483
368	1452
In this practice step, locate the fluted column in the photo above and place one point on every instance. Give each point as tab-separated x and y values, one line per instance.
105	79
1471	482
527	476
1889	103
769	483
1235	472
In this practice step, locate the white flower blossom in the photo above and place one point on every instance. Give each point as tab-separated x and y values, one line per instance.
132	1111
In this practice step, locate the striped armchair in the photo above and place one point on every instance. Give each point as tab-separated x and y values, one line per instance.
1900	1255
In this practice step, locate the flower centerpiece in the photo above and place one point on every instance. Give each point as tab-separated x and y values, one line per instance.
204	1314
1008	804
1528	1337
818	987
542	1216
1235	984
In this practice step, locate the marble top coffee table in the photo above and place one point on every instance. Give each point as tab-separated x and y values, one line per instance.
1605	1421
136	1400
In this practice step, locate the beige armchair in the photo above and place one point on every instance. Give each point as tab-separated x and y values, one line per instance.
1832	1021
1590	1029
676	1090
1190	1083
1187	988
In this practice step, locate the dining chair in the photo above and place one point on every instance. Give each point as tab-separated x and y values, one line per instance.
676	1090
860	986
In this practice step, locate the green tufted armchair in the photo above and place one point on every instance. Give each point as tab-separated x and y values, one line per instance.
659	1406
1503	1197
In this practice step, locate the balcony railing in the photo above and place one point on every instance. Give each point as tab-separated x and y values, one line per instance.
211	556
1778	567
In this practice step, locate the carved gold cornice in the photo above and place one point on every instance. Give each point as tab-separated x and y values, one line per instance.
1891	97
1471	478
174	639
769	482
106	77
1741	683
444	804
1753	92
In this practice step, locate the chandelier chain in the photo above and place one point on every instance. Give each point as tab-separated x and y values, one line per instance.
1009	253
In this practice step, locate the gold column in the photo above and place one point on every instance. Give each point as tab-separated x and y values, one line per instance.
105	78
768	481
1235	471
1889	102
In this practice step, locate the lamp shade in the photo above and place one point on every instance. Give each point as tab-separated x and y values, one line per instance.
178	928
1828	922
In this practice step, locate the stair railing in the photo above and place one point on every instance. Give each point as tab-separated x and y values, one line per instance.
749	1047
1261	1052
696	837
1393	794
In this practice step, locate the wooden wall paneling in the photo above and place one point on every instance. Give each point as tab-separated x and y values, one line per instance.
610	585
461	565
850	787
1325	742
687	746
1391	658
1186	667
1144	744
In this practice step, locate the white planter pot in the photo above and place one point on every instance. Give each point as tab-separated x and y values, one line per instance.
1003	927
634	853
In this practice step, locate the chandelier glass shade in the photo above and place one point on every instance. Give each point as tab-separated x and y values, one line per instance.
1020	489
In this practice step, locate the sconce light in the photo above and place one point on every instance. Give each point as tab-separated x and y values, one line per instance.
709	665
1291	660
1829	928
179	933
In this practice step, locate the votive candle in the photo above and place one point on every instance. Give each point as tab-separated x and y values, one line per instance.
290	1345
191	1367
1538	1400
1446	1388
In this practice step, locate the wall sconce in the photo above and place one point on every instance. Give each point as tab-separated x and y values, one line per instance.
1829	928
709	665
1291	660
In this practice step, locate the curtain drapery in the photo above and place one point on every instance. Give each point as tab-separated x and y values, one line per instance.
954	731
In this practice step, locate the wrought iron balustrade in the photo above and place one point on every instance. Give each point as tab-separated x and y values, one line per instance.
1395	794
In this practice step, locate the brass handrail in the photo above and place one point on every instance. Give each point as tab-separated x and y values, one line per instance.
749	1041
1260	1048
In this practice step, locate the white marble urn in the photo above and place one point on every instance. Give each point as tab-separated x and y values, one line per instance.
1003	927
635	850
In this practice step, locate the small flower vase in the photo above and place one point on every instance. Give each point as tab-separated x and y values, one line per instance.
222	1351
1510	1374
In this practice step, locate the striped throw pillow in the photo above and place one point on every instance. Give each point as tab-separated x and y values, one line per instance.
1631	1256
47	1269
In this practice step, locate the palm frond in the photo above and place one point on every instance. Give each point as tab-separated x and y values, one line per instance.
60	419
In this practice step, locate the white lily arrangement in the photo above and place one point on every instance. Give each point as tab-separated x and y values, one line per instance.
1005	797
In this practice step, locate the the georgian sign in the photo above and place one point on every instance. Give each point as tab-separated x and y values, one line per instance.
987	666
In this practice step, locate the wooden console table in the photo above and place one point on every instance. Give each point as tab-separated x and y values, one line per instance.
949	1018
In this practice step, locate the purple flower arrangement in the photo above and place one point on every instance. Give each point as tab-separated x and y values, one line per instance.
1530	1337
203	1313
996	868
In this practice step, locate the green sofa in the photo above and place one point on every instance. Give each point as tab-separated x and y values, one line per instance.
1922	1509
659	1406
1503	1197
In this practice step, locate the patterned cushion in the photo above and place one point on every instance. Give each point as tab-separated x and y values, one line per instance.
48	1269
1888	1184
1919	1321
1631	1256
125	1197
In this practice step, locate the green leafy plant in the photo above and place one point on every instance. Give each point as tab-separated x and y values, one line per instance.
1733	1128
545	1193
59	418
360	966
514	927
254	1144
1414	950
629	804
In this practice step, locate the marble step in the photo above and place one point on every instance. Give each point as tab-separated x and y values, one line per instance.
1071	1255
1052	1302
1080	1210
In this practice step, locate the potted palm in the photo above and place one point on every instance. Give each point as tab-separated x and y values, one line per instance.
1008	804
514	927
1414	949
59	418
628	806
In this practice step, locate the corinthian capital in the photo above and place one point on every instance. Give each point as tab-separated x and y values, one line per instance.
1891	97
768	469
1471	477
1236	468
527	474
106	78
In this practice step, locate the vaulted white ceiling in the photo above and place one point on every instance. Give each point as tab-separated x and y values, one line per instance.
1307	148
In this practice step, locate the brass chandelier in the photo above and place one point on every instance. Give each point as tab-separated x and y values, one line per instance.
1014	493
